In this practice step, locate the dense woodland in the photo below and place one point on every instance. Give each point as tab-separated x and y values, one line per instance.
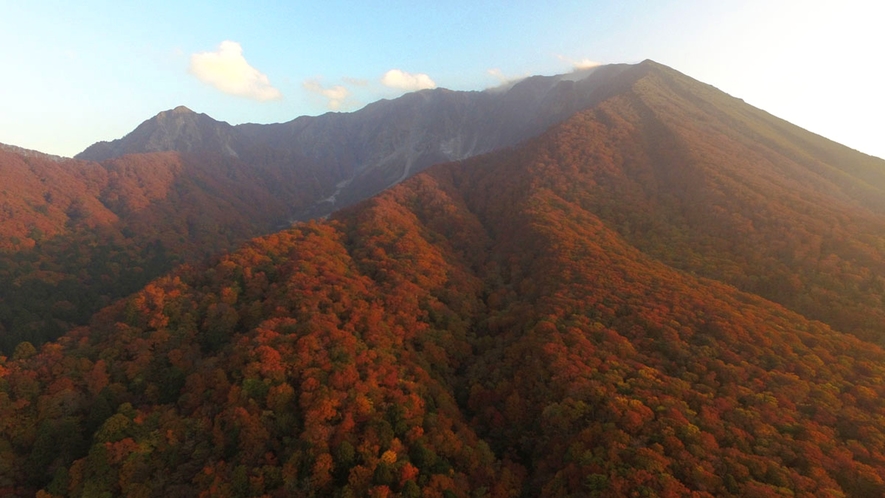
77	235
669	294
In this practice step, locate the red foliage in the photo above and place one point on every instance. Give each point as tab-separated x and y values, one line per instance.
531	322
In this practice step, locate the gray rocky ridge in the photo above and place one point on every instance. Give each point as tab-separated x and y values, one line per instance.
352	156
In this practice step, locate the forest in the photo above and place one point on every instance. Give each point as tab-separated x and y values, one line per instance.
77	235
669	294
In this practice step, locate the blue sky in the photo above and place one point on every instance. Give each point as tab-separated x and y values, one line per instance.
74	73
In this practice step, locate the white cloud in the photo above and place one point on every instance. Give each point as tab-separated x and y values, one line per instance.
337	95
505	82
396	78
585	64
498	74
227	70
579	64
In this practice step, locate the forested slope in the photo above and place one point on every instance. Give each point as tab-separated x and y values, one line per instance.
557	319
77	235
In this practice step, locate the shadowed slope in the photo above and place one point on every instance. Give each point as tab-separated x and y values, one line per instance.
76	235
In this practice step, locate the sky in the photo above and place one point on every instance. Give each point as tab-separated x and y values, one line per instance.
74	73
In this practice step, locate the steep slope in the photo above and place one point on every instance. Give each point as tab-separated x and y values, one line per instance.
76	235
712	186
355	155
503	326
179	129
40	193
389	141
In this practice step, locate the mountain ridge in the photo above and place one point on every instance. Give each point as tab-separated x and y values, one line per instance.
273	186
30	152
179	129
134	216
366	151
583	314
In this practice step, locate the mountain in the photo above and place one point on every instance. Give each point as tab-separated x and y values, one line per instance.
717	188
182	186
356	155
179	129
669	293
76	235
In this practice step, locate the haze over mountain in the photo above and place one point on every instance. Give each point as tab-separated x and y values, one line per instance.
356	155
667	293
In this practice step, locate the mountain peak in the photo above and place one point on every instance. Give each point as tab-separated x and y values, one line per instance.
179	129
178	113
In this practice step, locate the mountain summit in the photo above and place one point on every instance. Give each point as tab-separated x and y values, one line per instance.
182	110
179	129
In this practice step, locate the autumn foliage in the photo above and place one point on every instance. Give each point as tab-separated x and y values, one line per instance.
633	304
77	235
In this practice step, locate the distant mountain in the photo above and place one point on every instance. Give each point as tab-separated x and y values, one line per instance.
356	155
651	298
179	129
29	153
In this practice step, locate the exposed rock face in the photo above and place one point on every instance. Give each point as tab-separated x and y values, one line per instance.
356	155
